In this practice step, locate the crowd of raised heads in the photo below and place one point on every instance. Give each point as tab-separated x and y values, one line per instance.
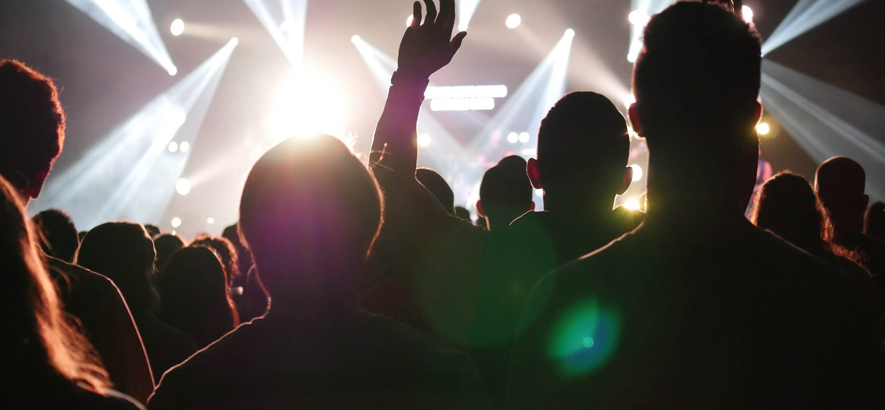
346	284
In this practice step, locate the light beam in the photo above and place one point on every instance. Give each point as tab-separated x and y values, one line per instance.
285	21
805	15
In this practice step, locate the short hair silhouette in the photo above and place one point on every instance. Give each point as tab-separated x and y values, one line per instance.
58	235
787	206
123	252
463	213
153	231
39	348
840	183
32	126
194	295
165	245
226	252
309	253
582	143
506	185
437	185
874	221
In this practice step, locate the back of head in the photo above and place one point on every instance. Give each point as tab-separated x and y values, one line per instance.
165	245
123	252
840	185
787	206
506	187
463	213
32	126
153	231
874	222
310	212
583	143
58	235
437	185
225	250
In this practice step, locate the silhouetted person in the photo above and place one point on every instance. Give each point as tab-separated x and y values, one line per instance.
194	295
505	193
226	252
463	213
697	308
246	291
787	206
47	364
58	235
315	348
32	126
165	245
437	185
124	253
874	221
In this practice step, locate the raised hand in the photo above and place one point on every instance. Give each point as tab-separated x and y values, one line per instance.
427	47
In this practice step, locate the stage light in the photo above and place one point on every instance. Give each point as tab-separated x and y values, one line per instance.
763	128
423	140
632	204
285	21
629	100
184	146
308	103
524	137
638	18
462	104
176	222
173	146
131	21
465	13
182	186
513	21
409	20
512	137
177	27
173	70
747	14
210	221
131	174
234	41
355	39
467	91
805	15
539	192
569	33
637	172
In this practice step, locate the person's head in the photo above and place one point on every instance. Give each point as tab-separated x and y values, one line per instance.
32	127
787	206
437	185
123	252
505	192
165	245
874	222
58	235
226	252
696	83
583	147
37	345
463	213
840	183
153	231
309	213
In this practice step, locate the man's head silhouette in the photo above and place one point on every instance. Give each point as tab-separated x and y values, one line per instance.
32	127
505	192
437	185
840	183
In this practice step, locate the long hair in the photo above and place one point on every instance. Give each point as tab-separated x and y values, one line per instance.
37	339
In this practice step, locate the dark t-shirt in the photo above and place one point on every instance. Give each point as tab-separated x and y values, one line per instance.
663	318
275	363
871	252
166	346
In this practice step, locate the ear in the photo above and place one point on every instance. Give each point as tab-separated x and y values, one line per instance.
758	115
534	173
532	206
479	210
633	113
628	179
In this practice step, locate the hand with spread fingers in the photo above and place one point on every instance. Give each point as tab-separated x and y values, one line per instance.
427	47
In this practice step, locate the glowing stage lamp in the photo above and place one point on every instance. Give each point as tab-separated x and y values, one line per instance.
513	21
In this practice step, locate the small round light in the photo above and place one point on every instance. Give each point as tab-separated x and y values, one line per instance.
177	27
539	192
747	12
176	222
173	146
763	128
637	172
632	204
569	33
524	137
423	140
210	221
513	20
183	186
629	100
172	70
512	137
184	146
355	39
234	41
638	18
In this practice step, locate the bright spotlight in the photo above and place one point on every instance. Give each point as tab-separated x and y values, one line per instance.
176	222
632	204
763	128
635	49
173	146
423	140
210	221
637	172
465	13
182	186
524	137
570	33
805	15
629	100
177	27
131	21
184	146
308	103
172	71
355	39
747	12
409	20
234	41
512	137
289	35
513	21
638	18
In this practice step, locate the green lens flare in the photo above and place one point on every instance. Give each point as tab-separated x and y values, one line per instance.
584	338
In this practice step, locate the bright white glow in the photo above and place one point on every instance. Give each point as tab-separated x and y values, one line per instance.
176	222
184	146
409	20
637	172
632	204
747	12
629	100
289	36
182	186
763	128
467	91
462	104
805	15
177	27
234	41
210	221
530	152
172	71
355	39
130	20
569	33
512	137
308	103
635	49
638	18
173	146
513	21
539	192
423	140
465	13
524	137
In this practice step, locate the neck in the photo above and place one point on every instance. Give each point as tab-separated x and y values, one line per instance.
581	210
